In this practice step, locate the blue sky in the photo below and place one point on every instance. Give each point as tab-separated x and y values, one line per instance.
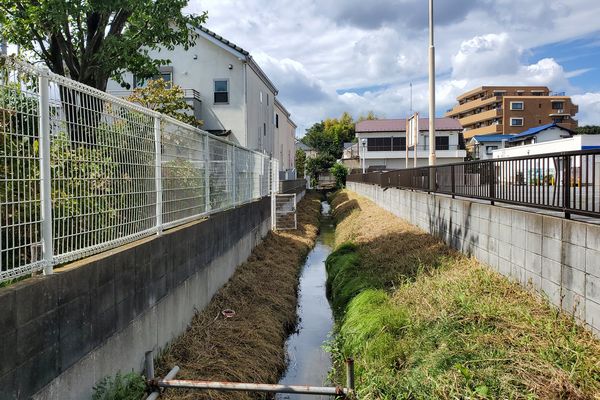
330	56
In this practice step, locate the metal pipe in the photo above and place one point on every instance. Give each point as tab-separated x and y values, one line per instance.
154	395
45	175
350	374
149	365
252	387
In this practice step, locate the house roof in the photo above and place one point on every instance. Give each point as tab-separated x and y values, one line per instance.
303	147
491	138
536	130
399	125
224	41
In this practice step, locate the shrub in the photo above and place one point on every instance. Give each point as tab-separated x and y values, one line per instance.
130	386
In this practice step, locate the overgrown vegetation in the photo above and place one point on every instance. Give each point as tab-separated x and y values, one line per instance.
250	346
130	386
339	172
424	321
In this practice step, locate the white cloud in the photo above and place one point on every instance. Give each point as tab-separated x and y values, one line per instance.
589	108
313	49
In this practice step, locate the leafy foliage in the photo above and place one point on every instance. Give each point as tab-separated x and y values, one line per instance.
340	172
91	41
130	386
160	97
315	165
300	162
588	130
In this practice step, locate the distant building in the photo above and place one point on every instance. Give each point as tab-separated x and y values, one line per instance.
540	134
226	88
481	147
511	109
351	156
385	146
285	141
309	151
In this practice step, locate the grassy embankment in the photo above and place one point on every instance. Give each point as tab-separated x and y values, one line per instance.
425	322
249	347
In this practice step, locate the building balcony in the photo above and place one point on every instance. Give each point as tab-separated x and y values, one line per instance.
480	117
472	105
484	130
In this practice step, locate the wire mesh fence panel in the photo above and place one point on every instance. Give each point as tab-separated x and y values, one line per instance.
183	165
285	212
82	171
103	185
20	213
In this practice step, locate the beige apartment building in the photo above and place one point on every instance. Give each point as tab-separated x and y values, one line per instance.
490	110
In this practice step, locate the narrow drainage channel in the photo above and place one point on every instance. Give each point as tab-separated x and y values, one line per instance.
308	363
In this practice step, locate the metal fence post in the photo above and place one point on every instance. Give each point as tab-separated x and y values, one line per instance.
453	181
492	178
158	173
233	175
45	176
206	174
566	185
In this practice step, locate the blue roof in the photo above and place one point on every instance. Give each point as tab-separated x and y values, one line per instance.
535	130
491	138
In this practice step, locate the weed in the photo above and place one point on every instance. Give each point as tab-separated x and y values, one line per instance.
130	386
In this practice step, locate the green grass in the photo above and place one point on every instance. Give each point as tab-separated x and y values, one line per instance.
448	327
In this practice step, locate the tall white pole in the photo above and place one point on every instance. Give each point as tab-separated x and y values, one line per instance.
431	88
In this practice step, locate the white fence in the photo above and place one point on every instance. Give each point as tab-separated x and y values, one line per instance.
82	171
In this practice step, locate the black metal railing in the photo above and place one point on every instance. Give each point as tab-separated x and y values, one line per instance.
567	181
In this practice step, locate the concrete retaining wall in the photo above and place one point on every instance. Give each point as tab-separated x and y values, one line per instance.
62	333
559	258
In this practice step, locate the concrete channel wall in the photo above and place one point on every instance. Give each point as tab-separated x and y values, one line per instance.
558	257
61	334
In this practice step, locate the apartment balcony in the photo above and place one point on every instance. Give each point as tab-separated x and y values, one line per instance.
480	117
484	130
191	97
472	105
451	151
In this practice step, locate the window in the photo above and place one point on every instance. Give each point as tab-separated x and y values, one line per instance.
557	120
221	91
516	122
264	129
557	105
276	120
516	105
399	144
442	143
166	74
489	149
260	97
379	144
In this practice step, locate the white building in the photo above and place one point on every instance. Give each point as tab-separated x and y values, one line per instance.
539	134
285	141
385	146
574	143
229	91
482	147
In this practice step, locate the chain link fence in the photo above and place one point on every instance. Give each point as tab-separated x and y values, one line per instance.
82	171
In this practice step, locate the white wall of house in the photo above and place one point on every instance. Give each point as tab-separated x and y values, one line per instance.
285	138
260	109
577	142
397	159
249	119
547	135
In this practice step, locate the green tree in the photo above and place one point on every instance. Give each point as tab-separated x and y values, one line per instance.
300	163
340	172
91	41
315	165
588	130
158	96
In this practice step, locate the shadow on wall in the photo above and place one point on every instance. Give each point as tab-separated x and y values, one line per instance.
449	228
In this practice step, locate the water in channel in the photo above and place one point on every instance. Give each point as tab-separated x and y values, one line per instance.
309	364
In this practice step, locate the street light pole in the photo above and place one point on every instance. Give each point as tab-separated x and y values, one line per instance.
432	173
431	88
364	153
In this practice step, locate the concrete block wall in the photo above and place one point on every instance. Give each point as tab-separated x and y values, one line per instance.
559	258
61	334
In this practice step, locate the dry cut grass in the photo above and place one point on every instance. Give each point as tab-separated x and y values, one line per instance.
249	347
424	321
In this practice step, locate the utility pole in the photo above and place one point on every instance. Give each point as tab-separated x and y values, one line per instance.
432	172
431	88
